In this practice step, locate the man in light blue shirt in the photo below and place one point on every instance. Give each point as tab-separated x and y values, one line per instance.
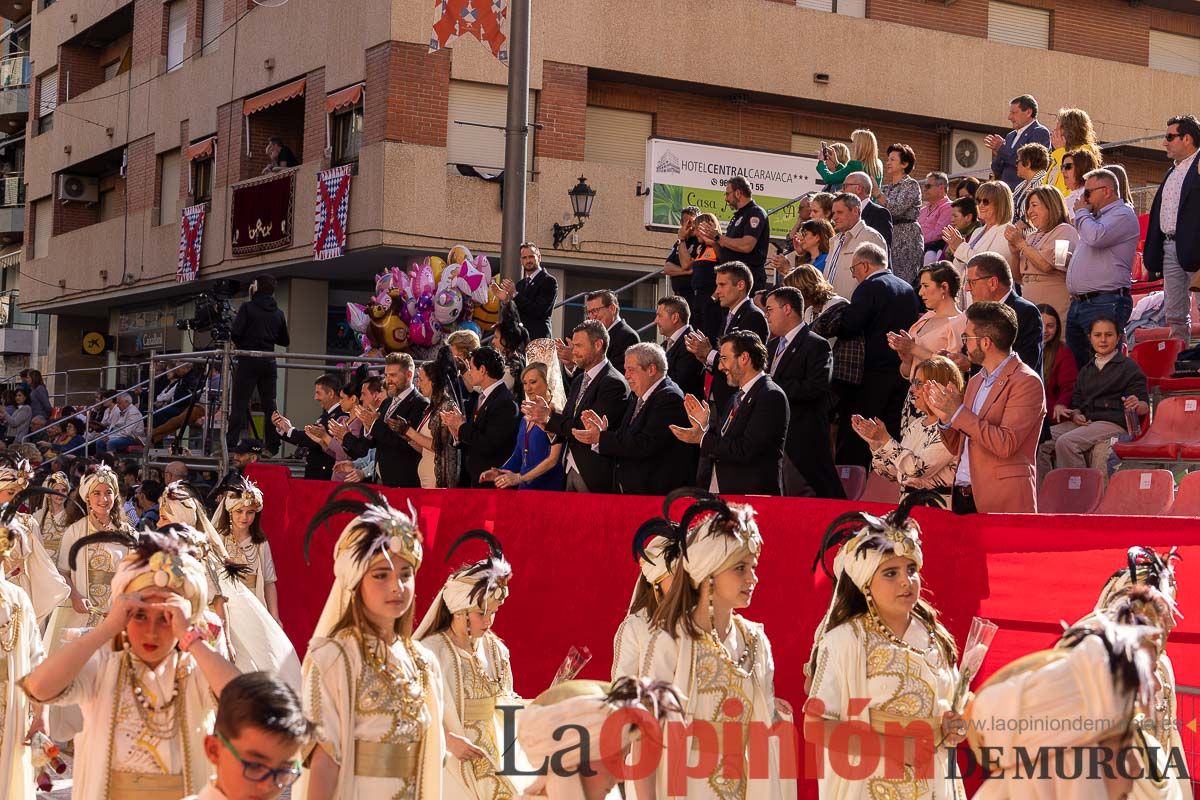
1101	270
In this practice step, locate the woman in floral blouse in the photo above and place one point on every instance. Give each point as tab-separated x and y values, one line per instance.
920	459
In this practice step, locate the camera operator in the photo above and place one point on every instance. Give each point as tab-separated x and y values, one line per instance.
259	325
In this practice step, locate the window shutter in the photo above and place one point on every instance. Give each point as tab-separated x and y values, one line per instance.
43	226
212	25
48	94
805	145
616	136
849	8
176	33
168	188
1019	25
1174	53
483	104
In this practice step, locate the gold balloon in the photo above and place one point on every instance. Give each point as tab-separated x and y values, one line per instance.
458	254
487	314
438	263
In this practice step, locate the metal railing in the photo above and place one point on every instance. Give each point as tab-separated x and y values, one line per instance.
14	72
12	189
641	279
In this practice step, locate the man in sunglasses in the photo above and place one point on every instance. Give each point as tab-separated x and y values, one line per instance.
1173	238
257	740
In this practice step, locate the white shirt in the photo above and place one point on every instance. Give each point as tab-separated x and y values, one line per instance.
712	354
674	337
1022	129
1168	212
591	373
125	421
484	394
785	342
1102	361
326	411
743	390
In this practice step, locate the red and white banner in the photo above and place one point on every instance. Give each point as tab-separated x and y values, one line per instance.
486	20
333	209
191	237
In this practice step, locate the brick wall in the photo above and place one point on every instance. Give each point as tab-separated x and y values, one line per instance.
412	86
140	174
286	121
314	117
149	31
561	111
79	70
73	216
967	17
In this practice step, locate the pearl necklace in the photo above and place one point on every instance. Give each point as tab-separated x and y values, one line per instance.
745	664
160	728
11	630
929	654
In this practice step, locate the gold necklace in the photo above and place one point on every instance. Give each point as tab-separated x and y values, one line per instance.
11	630
929	654
163	729
409	690
745	664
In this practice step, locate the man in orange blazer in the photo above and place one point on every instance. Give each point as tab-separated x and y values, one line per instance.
995	426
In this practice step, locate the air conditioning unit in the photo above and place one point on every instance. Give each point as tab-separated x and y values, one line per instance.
79	188
968	152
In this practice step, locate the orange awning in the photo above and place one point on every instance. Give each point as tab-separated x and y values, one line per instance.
273	97
201	149
346	97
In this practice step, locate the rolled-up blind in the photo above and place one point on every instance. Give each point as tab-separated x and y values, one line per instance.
1019	25
48	94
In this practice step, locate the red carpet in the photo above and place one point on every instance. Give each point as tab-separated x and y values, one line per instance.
573	572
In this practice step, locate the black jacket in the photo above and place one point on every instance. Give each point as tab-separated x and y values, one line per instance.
488	433
748	456
803	373
620	337
260	325
1029	331
684	368
748	318
882	303
606	395
535	302
319	464
1187	227
879	218
649	459
395	459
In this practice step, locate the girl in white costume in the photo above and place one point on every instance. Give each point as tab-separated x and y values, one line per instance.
256	639
20	651
55	514
572	705
476	672
145	677
375	693
27	564
880	640
720	661
656	549
239	522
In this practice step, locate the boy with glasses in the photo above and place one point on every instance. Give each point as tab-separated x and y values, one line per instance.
257	741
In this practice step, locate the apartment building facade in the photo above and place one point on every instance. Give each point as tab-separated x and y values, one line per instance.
145	107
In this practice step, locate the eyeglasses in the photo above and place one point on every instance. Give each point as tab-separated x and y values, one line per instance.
257	773
979	201
858	264
965	338
1170	137
1067	166
969	281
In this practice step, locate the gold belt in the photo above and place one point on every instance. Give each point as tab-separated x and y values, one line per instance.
131	785
481	709
385	760
100	578
887	722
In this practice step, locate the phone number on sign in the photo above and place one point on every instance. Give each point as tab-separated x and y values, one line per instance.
755	187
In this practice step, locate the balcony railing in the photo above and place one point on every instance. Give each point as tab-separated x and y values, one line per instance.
10	314
14	71
12	189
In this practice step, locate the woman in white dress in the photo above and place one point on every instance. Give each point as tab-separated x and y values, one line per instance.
146	677
27	564
239	522
720	661
476	672
256	640
20	651
656	550
55	513
375	693
994	207
879	640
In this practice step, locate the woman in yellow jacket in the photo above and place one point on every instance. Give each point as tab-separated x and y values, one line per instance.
1073	131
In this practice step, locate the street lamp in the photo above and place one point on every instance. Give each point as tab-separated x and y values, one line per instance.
581	196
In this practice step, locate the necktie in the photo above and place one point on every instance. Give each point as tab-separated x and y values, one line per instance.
637	408
728	322
733	409
783	343
583	387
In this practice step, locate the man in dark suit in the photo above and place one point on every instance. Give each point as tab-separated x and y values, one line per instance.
881	303
319	464
742	446
801	364
648	458
384	425
602	306
874	215
1022	115
596	386
672	317
1173	238
490	433
534	294
990	279
734	281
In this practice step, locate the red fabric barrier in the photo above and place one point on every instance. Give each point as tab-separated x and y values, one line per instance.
573	572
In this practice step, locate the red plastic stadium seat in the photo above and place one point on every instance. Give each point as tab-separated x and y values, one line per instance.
1177	385
1176	427
880	489
1187	497
1071	490
854	479
1138	492
1157	358
1141	335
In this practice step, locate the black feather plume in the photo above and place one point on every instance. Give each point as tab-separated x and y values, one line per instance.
122	538
647	531
495	549
840	531
335	505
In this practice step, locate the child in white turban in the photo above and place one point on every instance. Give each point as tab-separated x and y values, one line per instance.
27	564
656	551
239	522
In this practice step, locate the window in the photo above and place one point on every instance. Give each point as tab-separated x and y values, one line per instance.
483	104
346	129
849	8
1019	25
176	33
110	70
168	187
202	175
1174	53
212	25
43	226
805	145
616	136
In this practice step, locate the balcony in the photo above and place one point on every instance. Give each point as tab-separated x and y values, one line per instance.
18	330
12	206
14	93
